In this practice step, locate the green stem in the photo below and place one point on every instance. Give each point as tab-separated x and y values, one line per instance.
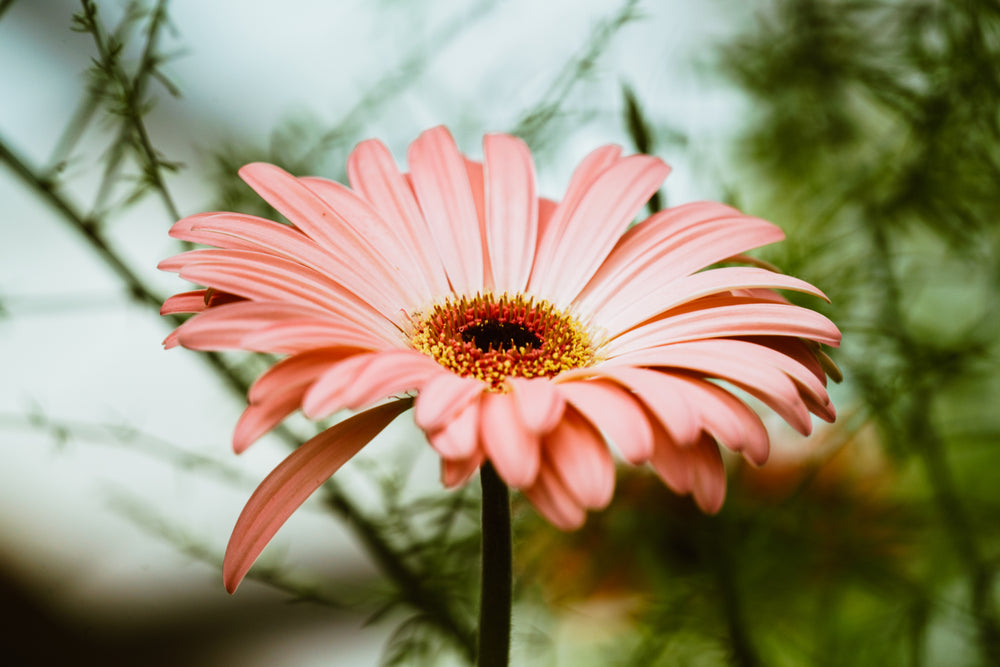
495	596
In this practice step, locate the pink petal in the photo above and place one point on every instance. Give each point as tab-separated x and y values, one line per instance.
341	236
729	420
442	187
366	378
373	173
399	257
613	410
696	469
513	449
665	248
442	398
553	217
225	327
539	404
511	210
754	319
478	187
660	393
455	472
459	437
295	336
261	417
294	480
741	366
603	213
655	300
300	369
185	302
553	501
581	459
263	277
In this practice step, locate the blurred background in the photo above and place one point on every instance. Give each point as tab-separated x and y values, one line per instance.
868	130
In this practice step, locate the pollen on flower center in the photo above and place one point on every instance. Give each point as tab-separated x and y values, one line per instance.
494	337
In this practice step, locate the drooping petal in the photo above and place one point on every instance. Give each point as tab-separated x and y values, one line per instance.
441	184
442	398
728	419
658	392
294	480
539	404
373	173
616	412
597	221
553	501
696	469
511	210
455	472
459	438
261	417
514	450
581	460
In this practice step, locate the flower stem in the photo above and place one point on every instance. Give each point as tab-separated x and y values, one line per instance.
495	591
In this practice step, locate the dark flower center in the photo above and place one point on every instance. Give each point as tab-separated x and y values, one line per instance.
500	336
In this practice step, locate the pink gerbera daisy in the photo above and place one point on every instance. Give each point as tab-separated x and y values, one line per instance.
525	332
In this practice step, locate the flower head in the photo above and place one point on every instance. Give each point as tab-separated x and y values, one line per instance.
524	332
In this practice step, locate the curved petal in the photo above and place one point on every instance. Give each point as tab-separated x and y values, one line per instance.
366	378
294	480
696	469
295	336
455	472
658	392
581	460
514	450
539	404
729	420
441	184
442	398
592	229
511	210
373	173
259	418
613	410
459	438
553	501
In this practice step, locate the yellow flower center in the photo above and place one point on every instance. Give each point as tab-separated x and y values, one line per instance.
494	337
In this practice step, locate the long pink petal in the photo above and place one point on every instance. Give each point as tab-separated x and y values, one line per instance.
603	214
328	228
300	369
294	480
373	174
459	439
442	398
225	327
442	187
553	501
294	336
582	460
477	186
539	404
652	299
616	412
728	322
554	217
363	379
673	253
398	256
514	450
511	210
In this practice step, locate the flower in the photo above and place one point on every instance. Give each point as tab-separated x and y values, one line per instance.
524	332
